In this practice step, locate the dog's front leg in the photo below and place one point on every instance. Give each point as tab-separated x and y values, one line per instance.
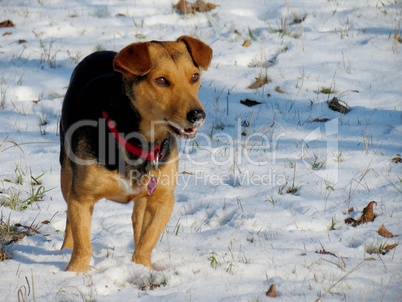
79	215
68	242
137	218
150	217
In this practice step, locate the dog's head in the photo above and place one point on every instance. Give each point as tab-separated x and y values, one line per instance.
162	80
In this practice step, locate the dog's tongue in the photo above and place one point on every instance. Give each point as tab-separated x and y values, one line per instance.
188	131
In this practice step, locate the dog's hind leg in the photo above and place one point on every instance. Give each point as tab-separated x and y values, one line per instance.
79	216
78	223
66	183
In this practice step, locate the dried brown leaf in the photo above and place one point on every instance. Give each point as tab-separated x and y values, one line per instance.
350	220
249	103
297	19
211	6
271	291
382	231
382	249
389	247
190	8
397	159
183	7
320	120
324	252
279	90
367	215
246	43
6	23
260	81
336	104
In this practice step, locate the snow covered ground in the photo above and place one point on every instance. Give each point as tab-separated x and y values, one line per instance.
235	229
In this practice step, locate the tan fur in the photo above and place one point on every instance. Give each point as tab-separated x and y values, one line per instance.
86	184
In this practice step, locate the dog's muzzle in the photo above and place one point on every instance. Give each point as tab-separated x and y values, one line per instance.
196	119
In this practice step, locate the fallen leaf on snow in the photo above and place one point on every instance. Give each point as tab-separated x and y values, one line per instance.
190	8
271	291
279	90
183	7
367	215
297	19
382	249
350	220
260	81
336	104
246	43
187	173
320	120
368	212
249	103
382	231
6	23
389	247
397	159
324	252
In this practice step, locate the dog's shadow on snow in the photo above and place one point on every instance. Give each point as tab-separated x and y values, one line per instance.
39	250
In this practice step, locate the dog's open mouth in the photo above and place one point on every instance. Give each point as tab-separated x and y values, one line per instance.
188	133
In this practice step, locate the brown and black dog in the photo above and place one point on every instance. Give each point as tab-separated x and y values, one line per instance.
120	117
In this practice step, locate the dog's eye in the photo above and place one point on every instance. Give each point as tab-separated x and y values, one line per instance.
162	82
195	77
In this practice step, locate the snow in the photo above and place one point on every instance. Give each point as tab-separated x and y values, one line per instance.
231	234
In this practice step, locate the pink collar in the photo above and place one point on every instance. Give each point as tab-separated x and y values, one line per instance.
152	155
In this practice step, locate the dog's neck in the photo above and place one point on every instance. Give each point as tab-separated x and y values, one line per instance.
135	153
151	152
133	128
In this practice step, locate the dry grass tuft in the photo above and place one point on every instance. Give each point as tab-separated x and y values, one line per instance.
200	6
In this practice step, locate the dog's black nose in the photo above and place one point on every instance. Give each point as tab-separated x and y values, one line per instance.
196	117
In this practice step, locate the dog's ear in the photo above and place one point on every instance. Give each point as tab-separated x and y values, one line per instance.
132	60
199	51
